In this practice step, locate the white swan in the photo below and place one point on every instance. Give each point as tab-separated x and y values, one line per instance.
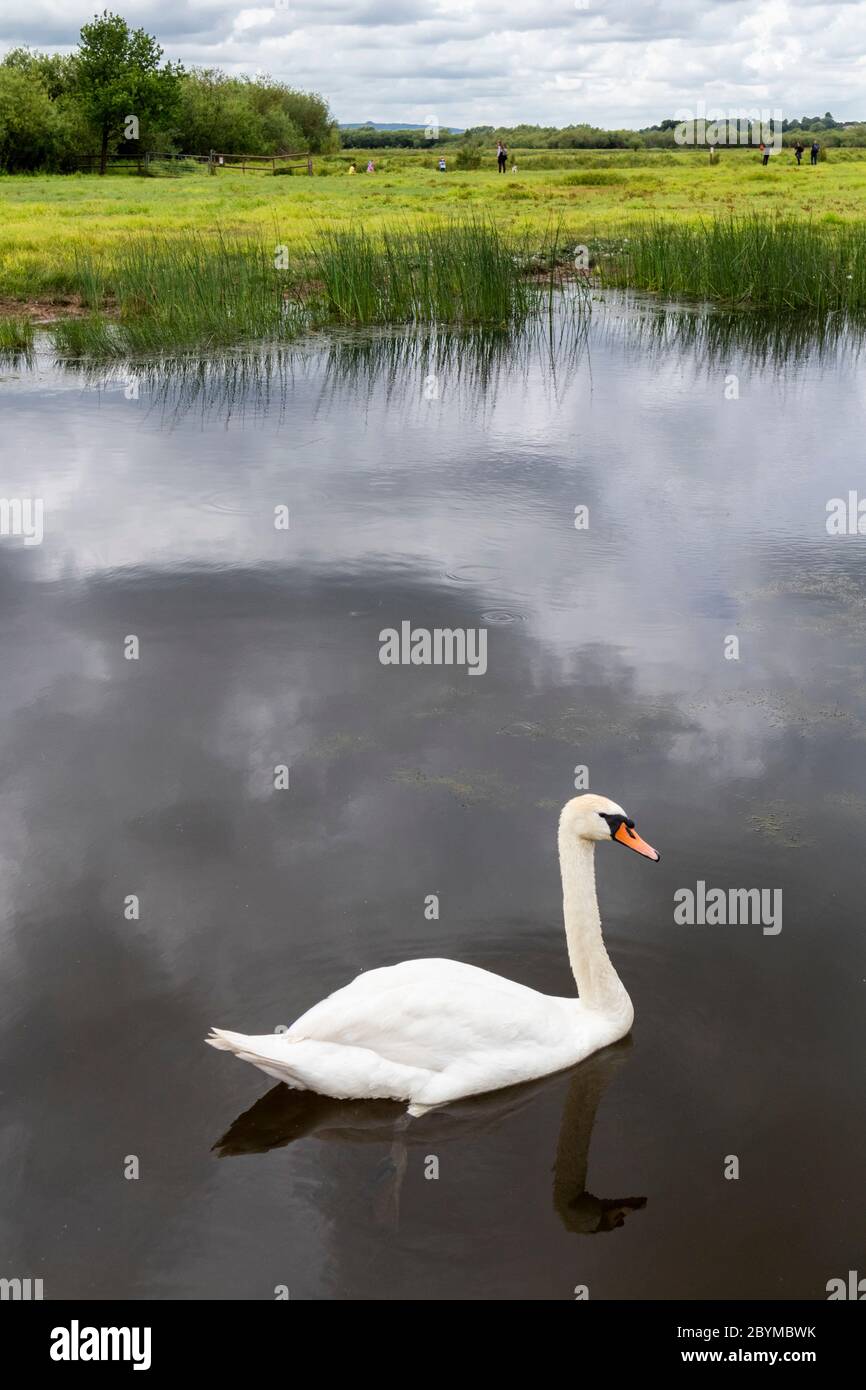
434	1031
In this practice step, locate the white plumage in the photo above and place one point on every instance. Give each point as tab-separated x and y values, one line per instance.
434	1031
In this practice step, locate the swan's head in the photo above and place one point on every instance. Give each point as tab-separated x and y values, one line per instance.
592	817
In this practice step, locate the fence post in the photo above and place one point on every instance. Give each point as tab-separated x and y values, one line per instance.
310	167
211	162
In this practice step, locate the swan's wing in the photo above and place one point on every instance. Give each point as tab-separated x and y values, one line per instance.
329	1068
431	1013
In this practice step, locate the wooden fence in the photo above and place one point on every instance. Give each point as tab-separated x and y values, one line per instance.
260	163
91	163
247	163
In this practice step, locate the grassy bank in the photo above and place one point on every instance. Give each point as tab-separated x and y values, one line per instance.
168	294
480	252
46	220
163	295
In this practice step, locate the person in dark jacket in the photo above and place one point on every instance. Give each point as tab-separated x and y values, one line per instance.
814	152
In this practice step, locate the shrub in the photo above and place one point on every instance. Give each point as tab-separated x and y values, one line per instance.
469	157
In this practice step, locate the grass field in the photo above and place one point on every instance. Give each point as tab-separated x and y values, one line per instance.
48	222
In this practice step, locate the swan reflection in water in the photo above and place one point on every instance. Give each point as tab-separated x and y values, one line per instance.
283	1115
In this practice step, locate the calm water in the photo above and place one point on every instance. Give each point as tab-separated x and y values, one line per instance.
449	503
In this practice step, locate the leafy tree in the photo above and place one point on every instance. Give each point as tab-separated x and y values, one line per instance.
42	125
56	71
310	113
243	115
27	125
119	75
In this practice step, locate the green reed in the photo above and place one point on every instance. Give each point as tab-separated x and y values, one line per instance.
456	273
161	295
16	339
771	264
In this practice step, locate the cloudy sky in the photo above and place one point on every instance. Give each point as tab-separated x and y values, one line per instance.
469	62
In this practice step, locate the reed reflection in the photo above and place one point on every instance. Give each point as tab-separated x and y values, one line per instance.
474	365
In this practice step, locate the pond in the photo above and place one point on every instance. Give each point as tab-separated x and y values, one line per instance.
634	512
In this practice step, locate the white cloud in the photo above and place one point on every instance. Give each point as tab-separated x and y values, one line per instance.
613	63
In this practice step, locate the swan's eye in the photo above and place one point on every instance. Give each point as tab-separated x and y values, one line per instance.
615	821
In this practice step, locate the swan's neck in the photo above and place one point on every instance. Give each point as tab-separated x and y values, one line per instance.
598	984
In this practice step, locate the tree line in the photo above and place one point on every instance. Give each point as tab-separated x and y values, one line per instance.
587	137
656	137
116	95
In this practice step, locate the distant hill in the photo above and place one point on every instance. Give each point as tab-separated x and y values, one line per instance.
396	125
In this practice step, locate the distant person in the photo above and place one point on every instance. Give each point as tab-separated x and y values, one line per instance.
442	165
351	169
371	168
814	152
766	151
501	156
798	151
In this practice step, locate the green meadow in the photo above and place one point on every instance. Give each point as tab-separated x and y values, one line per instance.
182	255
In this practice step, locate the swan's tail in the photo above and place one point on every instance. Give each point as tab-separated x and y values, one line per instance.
264	1053
332	1069
226	1042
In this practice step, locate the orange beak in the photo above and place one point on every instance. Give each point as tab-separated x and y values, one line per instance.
632	840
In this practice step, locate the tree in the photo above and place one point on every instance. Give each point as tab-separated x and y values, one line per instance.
55	71
26	121
244	115
119	76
